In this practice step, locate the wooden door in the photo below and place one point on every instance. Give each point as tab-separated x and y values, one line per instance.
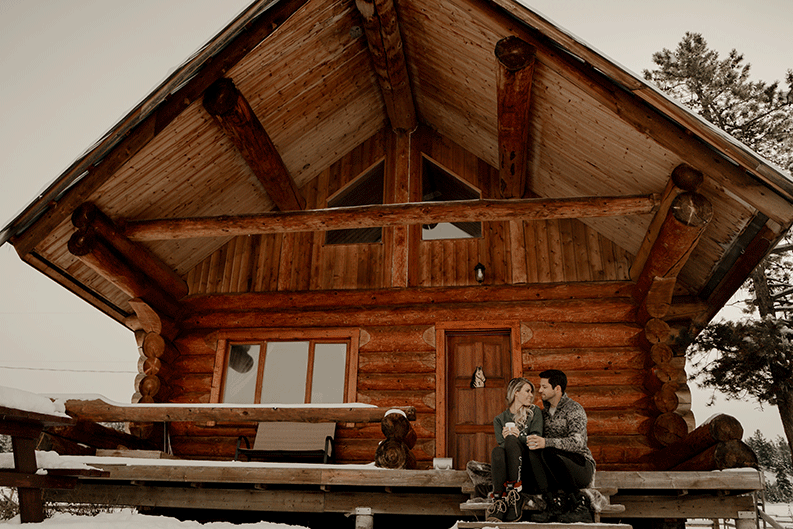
470	410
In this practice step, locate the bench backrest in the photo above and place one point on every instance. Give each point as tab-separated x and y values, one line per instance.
293	435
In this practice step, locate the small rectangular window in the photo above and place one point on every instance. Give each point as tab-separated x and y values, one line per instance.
286	372
365	190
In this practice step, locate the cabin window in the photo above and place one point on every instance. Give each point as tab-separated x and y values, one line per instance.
286	372
439	185
365	190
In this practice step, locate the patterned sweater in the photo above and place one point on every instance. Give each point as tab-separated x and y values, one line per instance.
566	428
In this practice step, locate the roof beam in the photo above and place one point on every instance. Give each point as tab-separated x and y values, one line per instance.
385	47
389	215
515	76
239	122
140	127
678	235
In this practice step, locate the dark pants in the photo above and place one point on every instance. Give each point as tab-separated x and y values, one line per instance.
506	463
552	470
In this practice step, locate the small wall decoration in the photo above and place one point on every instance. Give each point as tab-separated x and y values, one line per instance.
478	378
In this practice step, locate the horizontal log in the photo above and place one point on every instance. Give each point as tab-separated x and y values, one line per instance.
724	454
580	335
596	378
618	422
375	216
396	382
625	397
422	401
719	428
584	359
11	478
98	436
98	410
668	428
194	364
338	299
396	362
396	340
624	449
579	311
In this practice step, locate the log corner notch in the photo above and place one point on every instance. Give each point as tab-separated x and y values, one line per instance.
129	266
385	47
236	118
516	60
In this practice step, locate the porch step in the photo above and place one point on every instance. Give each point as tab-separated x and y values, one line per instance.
533	525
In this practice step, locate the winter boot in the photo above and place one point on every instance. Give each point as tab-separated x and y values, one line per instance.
496	511
554	506
514	502
578	509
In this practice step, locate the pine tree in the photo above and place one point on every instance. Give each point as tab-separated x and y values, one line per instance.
752	357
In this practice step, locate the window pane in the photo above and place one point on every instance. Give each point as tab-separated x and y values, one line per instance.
285	368
241	373
327	385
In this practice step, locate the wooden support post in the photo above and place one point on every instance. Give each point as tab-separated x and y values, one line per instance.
89	217
94	252
515	76
31	503
385	47
239	122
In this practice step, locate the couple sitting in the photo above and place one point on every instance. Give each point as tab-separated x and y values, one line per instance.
541	452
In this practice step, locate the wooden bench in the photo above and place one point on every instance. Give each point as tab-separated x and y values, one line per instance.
290	441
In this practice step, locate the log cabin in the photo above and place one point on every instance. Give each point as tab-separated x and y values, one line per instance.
371	201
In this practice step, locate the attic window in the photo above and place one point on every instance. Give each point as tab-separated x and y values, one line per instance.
365	190
437	185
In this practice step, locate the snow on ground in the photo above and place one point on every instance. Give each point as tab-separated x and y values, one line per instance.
129	520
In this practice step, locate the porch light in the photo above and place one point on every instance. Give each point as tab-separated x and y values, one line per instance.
479	272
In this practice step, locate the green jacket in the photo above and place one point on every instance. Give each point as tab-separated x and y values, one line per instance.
533	425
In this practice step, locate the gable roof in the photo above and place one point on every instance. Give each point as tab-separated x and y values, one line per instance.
306	70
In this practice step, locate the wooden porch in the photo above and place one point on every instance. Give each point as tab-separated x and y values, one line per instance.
316	488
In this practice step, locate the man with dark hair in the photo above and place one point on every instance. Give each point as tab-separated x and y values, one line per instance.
565	465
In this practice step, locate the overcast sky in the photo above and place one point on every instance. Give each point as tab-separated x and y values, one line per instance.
70	69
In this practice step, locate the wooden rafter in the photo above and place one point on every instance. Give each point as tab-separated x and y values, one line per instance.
236	117
389	215
385	46
94	170
678	235
96	253
515	76
89	217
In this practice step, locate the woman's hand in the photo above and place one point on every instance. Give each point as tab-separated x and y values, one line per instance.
535	442
510	430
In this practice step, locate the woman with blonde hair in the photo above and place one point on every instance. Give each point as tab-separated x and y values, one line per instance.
521	419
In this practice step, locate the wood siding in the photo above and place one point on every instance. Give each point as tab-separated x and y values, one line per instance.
512	252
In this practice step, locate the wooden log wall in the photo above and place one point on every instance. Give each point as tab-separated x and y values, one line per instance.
512	252
618	367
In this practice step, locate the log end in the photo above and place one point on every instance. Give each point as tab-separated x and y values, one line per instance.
514	53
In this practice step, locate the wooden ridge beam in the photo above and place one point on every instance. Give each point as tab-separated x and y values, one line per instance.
142	126
100	411
515	76
89	217
239	122
385	47
388	215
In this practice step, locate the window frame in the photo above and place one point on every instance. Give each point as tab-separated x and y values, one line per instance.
260	336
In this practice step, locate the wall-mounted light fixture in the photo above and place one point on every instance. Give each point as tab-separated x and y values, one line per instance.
479	272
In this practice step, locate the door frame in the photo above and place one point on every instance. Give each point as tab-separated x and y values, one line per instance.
441	364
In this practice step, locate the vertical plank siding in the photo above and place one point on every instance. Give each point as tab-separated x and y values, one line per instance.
553	251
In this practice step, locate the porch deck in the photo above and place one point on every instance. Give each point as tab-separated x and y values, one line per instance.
319	488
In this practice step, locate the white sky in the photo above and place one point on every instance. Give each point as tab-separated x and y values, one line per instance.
70	69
